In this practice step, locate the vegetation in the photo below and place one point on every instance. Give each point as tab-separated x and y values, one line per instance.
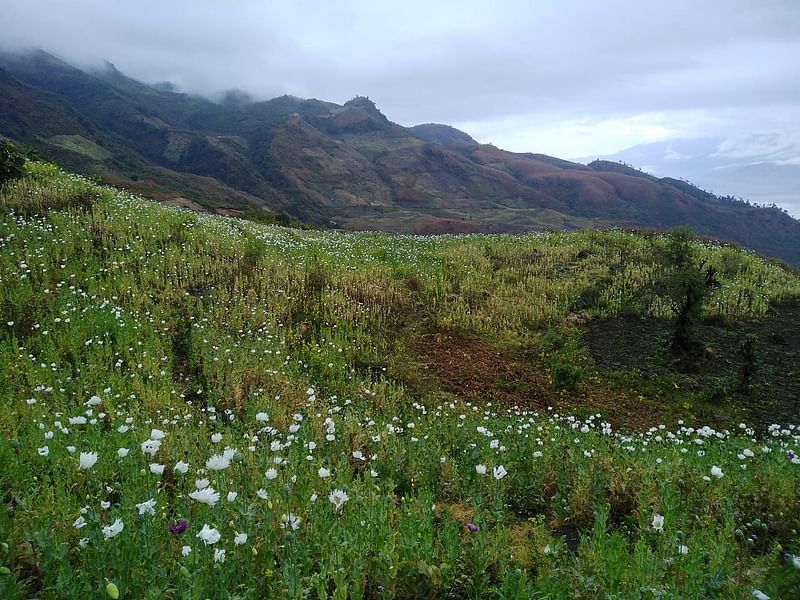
11	162
268	217
203	407
689	285
343	165
81	145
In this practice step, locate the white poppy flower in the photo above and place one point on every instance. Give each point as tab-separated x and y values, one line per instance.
205	496
658	522
240	539
290	520
338	498
87	460
209	535
113	530
147	508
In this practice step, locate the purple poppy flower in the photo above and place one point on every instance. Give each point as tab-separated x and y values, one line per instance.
179	527
472	527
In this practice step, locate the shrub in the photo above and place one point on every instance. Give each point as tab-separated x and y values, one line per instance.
748	353
12	163
719	391
565	376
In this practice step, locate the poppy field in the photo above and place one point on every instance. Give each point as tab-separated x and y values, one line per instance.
196	406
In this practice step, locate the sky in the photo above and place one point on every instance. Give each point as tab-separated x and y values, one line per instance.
571	78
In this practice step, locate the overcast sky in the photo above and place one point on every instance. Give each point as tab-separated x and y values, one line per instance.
568	77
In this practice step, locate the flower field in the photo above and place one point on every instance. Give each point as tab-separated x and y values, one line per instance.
202	407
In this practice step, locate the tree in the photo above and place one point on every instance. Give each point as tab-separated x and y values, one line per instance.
688	284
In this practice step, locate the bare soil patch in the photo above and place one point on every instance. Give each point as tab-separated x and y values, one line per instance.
473	369
635	352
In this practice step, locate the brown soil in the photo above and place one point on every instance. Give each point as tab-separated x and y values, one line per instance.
473	369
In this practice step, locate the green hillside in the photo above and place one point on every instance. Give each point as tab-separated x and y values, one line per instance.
197	406
343	166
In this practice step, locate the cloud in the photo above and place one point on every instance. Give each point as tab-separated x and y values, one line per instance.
780	148
563	77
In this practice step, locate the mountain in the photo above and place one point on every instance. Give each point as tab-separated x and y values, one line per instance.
763	168
346	166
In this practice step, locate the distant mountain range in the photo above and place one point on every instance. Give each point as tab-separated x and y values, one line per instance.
763	168
343	166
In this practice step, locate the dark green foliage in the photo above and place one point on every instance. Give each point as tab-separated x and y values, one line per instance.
269	217
719	391
12	163
37	155
565	376
748	353
688	285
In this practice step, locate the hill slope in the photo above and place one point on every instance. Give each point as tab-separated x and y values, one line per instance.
343	165
760	168
198	401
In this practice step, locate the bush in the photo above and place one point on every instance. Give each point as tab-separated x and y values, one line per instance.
12	163
268	217
719	391
565	376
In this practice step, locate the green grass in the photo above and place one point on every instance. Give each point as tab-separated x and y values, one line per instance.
81	145
122	319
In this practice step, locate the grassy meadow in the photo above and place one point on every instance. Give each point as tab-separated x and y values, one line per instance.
203	407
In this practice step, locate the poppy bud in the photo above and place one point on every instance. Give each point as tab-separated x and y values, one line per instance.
112	591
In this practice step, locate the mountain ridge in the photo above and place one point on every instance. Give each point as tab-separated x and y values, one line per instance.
760	169
345	166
